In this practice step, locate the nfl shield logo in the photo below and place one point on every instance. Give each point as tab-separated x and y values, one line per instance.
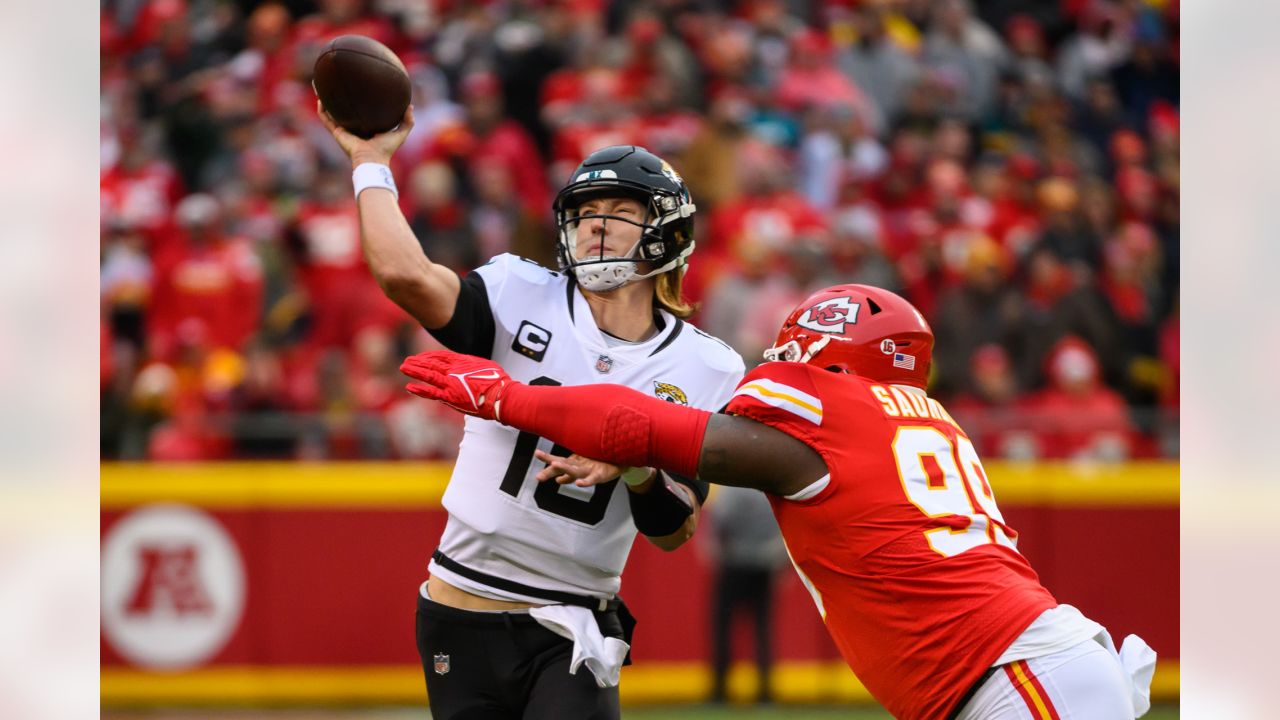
604	364
441	664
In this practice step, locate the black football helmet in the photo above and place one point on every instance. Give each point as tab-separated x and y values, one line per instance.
666	236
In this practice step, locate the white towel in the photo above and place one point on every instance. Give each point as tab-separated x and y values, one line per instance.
602	655
1139	663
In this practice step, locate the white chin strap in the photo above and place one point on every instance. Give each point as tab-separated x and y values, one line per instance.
613	273
606	275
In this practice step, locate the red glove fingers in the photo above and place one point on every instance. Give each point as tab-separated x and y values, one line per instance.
469	384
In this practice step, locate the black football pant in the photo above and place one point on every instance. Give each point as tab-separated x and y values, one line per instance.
505	666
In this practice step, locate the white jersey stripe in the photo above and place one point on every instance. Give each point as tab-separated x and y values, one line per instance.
784	397
808	584
811	489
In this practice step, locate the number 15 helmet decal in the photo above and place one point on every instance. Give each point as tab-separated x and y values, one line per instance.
859	329
666	236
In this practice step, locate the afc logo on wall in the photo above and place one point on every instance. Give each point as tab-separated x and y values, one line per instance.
173	586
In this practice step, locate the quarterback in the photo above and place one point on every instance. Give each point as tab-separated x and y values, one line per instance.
882	500
520	617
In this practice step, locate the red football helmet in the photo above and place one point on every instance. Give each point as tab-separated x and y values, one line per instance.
858	329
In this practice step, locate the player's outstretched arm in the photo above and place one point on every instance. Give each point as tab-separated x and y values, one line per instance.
425	290
621	425
740	451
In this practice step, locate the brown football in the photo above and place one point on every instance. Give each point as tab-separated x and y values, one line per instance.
362	84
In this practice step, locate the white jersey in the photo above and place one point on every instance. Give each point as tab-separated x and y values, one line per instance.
509	536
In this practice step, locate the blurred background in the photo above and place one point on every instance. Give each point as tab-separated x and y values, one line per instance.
270	496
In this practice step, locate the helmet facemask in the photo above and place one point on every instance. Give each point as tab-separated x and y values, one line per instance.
658	245
791	351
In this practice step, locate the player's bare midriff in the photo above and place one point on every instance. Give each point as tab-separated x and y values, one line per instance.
455	597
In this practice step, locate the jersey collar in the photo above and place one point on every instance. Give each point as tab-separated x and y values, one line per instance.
584	324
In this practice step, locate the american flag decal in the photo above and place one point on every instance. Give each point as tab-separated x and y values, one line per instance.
906	362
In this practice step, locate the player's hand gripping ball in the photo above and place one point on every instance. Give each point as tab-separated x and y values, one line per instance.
362	84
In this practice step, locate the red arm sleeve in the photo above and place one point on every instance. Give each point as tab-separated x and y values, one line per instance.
611	423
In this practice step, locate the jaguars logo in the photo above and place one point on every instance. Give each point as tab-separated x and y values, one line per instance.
671	173
670	393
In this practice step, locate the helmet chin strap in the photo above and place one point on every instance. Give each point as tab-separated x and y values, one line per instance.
605	275
613	273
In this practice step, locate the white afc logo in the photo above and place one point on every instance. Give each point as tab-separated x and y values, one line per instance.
173	586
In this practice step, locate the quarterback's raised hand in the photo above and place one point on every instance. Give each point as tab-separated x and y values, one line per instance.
463	382
377	149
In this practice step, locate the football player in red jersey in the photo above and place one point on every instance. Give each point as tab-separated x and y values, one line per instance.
882	500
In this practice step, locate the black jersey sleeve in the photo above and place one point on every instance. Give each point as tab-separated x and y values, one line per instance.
471	329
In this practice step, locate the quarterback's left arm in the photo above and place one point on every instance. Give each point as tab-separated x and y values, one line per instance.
664	505
660	501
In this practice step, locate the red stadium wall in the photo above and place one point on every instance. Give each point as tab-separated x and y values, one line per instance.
332	556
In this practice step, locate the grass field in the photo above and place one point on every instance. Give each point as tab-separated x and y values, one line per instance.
677	712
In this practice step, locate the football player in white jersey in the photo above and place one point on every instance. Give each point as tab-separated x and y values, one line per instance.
520	616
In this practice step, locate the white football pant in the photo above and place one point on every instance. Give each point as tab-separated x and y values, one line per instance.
1083	682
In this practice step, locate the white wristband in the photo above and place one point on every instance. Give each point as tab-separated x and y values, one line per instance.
373	175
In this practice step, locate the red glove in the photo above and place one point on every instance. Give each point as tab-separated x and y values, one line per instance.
465	383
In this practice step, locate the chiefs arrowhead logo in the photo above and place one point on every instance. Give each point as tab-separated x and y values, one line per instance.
830	316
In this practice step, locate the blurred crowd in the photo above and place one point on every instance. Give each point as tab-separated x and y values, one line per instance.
1010	167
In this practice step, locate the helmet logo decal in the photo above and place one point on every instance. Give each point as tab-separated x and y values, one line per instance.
906	362
671	173
888	346
830	316
596	175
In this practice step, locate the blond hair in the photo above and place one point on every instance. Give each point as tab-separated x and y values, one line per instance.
669	293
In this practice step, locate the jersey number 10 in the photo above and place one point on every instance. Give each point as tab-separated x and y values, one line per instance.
547	495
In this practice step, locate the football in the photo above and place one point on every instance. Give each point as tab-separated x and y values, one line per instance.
362	84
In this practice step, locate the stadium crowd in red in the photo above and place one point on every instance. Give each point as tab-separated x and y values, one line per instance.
1012	169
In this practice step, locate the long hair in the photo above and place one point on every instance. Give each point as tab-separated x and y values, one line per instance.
669	293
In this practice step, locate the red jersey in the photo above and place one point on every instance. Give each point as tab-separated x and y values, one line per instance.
141	198
218	282
903	549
